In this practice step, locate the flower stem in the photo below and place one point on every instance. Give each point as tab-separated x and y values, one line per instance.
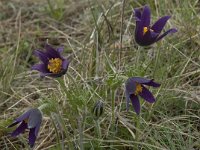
80	126
67	134
137	126
56	130
113	114
121	33
156	62
98	131
113	109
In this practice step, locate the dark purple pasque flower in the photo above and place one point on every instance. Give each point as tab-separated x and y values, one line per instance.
53	64
134	87
144	33
29	120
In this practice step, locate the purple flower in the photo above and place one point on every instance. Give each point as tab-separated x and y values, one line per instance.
29	120
144	33
134	87
53	64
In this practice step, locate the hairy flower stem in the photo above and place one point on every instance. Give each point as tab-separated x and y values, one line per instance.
137	125
98	131
156	62
56	130
138	54
80	127
113	114
121	32
63	88
113	109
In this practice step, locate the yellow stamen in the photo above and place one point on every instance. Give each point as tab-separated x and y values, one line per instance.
55	65
145	29
138	89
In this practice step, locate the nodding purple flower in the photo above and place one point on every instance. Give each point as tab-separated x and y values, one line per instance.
136	86
29	120
53	64
144	33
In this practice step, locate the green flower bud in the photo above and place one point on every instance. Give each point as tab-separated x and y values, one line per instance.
98	109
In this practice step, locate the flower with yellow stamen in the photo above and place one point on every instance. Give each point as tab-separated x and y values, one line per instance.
53	64
145	34
136	86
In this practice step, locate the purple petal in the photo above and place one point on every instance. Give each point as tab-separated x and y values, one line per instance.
42	56
173	30
159	25
149	38
145	81
51	52
65	64
136	103
37	128
139	32
130	86
152	83
138	14
146	16
35	118
47	74
146	39
40	67
24	116
60	49
147	95
19	129
53	75
140	80
149	35
32	137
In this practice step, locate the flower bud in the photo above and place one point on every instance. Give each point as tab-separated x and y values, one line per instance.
98	109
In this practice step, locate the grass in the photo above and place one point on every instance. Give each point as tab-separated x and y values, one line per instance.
98	39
